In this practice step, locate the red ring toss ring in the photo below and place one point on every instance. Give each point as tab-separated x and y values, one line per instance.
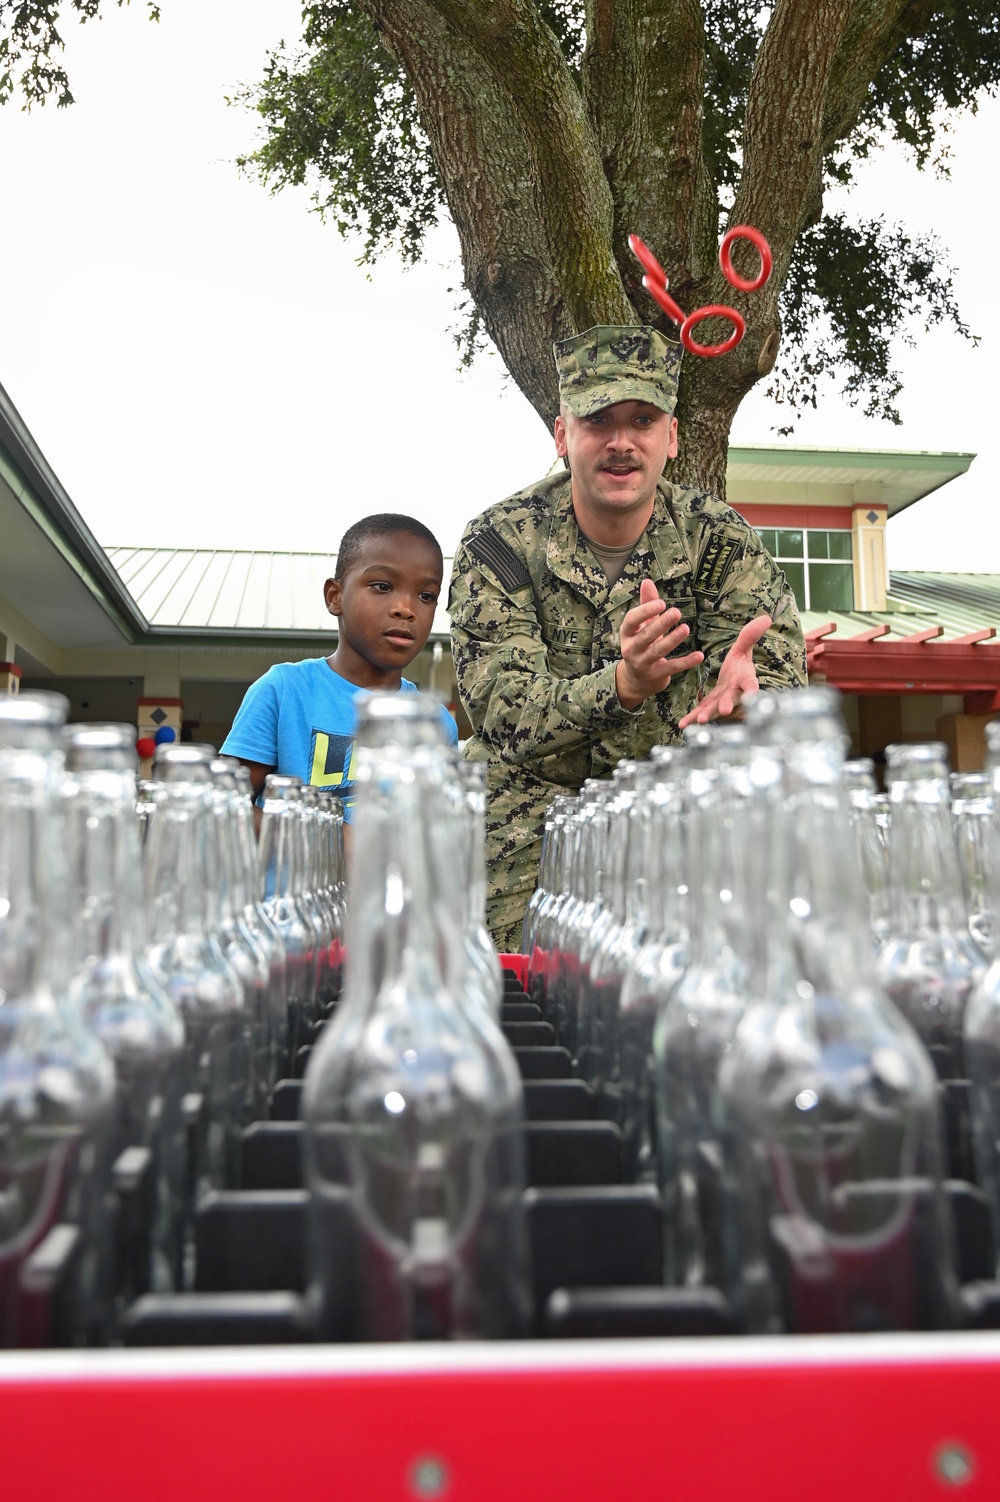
714	310
744	232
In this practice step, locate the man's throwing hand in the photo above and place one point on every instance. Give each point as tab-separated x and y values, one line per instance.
648	634
737	676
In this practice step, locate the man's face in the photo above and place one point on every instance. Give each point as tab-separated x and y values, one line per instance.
616	457
385	605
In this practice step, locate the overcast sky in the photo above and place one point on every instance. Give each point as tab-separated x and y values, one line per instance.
206	365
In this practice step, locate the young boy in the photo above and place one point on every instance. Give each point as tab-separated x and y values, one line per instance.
299	718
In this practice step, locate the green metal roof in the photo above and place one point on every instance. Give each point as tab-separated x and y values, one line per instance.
959	602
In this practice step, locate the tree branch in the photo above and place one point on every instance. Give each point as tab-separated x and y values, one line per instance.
529	200
871	37
643	78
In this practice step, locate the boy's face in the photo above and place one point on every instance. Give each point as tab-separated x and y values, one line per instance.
385	607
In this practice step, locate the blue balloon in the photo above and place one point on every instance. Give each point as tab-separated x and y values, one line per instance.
165	735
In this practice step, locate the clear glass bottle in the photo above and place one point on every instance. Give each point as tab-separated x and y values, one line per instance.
653	973
578	916
472	779
268	939
413	1120
332	834
982	1031
872	842
695	1028
145	806
617	936
973	813
929	963
238	941
185	955
548	866
835	1216
279	862
545	924
117	994
56	1079
312	894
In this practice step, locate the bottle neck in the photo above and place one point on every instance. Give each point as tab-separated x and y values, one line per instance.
34	953
475	806
104	862
718	866
402	933
816	880
925	878
279	850
181	864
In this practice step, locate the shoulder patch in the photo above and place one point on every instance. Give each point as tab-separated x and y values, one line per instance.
492	549
716	563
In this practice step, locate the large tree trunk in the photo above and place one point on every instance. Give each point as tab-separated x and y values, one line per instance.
545	179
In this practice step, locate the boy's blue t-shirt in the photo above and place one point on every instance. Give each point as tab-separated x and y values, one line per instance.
300	718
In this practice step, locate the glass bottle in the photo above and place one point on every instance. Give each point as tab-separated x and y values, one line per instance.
413	1118
653	973
312	895
237	940
982	1031
929	962
56	1080
472	780
247	898
145	806
182	883
695	1028
115	991
332	834
872	842
560	860
582	911
616	936
547	868
279	863
972	811
835	1216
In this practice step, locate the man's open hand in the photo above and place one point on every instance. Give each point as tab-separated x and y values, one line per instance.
648	633
737	676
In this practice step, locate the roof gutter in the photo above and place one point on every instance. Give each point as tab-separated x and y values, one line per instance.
32	479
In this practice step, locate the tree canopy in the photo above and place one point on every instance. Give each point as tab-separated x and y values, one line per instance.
551	129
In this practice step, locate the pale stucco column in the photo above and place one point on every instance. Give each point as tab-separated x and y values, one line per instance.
871	568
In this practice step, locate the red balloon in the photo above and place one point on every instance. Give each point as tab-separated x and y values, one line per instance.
145	746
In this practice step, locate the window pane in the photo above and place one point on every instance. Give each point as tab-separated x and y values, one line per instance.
767	536
840	544
789	544
795	573
831	587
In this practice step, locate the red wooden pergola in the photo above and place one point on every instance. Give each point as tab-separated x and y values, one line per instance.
868	663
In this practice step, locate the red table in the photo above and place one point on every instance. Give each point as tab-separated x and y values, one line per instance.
842	1419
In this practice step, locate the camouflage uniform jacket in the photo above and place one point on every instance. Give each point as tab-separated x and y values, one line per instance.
535	639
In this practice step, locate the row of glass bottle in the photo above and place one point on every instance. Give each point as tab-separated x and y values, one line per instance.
972	817
700	939
148	1002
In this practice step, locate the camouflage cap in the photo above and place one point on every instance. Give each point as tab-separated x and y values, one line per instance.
617	363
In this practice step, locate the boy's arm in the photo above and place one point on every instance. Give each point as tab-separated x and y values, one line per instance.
258	773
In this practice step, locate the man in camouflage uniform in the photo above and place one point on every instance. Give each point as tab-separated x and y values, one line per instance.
601	610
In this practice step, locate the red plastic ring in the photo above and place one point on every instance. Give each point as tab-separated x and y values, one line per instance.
659	292
714	310
646	259
744	232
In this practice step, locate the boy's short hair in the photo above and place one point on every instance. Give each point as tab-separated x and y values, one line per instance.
379	525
